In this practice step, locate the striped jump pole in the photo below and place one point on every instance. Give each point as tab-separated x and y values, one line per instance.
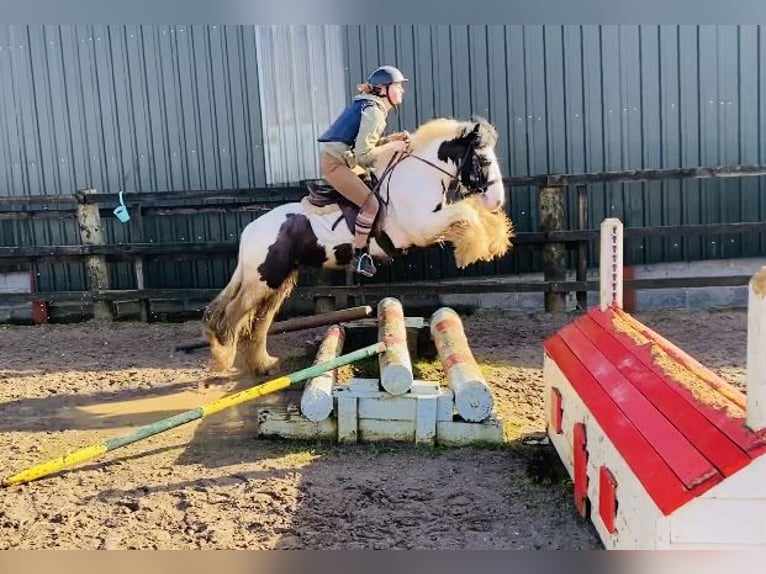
111	444
473	398
316	400
395	365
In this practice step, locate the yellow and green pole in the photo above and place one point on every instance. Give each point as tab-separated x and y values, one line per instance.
274	385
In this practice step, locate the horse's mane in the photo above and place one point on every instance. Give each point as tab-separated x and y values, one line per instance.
444	128
436	128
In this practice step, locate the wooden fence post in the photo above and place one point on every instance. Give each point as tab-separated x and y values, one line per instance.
92	233
137	236
324	303
582	246
610	263
553	218
756	360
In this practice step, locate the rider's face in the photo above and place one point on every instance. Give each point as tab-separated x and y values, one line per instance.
396	93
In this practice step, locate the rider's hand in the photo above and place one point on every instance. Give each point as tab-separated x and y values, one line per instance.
398	145
400	136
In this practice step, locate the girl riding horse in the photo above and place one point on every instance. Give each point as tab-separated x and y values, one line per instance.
354	141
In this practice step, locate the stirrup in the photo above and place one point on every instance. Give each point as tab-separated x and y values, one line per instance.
365	265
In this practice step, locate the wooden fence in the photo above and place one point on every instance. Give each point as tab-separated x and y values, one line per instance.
553	239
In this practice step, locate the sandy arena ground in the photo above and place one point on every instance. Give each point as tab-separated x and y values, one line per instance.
212	484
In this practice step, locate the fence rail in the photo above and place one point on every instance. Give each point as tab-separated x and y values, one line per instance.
553	238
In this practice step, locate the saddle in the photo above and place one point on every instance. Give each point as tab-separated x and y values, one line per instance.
323	195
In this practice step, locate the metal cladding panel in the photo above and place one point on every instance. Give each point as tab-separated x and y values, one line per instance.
178	107
159	108
596	98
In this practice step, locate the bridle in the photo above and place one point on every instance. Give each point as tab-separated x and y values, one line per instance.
456	188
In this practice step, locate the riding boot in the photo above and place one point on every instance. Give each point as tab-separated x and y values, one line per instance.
362	263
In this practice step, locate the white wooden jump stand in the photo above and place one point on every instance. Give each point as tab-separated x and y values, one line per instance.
395	406
663	453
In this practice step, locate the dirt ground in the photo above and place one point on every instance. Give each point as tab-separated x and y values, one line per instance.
212	485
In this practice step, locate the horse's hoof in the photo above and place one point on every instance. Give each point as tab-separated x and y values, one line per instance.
215	366
270	366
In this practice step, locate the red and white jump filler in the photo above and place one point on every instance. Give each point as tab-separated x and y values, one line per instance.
663	453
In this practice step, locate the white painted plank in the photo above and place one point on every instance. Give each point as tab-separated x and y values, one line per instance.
347	419
720	521
364	384
276	421
374	430
445	405
345	392
388	407
425	388
458	433
425	420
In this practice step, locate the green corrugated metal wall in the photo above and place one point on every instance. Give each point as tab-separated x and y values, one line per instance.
599	98
564	99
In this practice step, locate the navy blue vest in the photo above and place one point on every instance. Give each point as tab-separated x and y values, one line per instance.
346	127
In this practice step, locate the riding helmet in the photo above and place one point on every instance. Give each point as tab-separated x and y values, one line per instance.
385	75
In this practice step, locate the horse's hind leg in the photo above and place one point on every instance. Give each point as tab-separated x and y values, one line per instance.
223	349
253	345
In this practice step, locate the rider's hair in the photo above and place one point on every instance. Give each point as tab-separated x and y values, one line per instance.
369	89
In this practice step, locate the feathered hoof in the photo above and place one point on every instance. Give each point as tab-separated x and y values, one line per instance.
264	365
221	357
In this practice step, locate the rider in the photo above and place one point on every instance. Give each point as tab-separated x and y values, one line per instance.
354	141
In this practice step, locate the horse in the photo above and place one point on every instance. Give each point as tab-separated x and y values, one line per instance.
446	188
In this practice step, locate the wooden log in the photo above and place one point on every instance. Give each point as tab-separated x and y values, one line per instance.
92	233
316	400
299	323
756	359
395	364
473	399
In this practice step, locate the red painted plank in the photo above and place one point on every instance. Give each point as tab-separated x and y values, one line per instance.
679	454
580	455
712	443
607	498
733	427
733	395
654	474
557	411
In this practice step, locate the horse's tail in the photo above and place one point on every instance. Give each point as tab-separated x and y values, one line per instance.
214	318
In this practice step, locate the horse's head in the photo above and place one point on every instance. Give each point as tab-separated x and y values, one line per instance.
466	152
450	162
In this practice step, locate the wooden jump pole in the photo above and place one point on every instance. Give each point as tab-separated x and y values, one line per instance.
163	425
299	323
395	364
316	400
473	397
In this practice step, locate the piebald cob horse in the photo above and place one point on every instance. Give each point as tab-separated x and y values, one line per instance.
447	187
